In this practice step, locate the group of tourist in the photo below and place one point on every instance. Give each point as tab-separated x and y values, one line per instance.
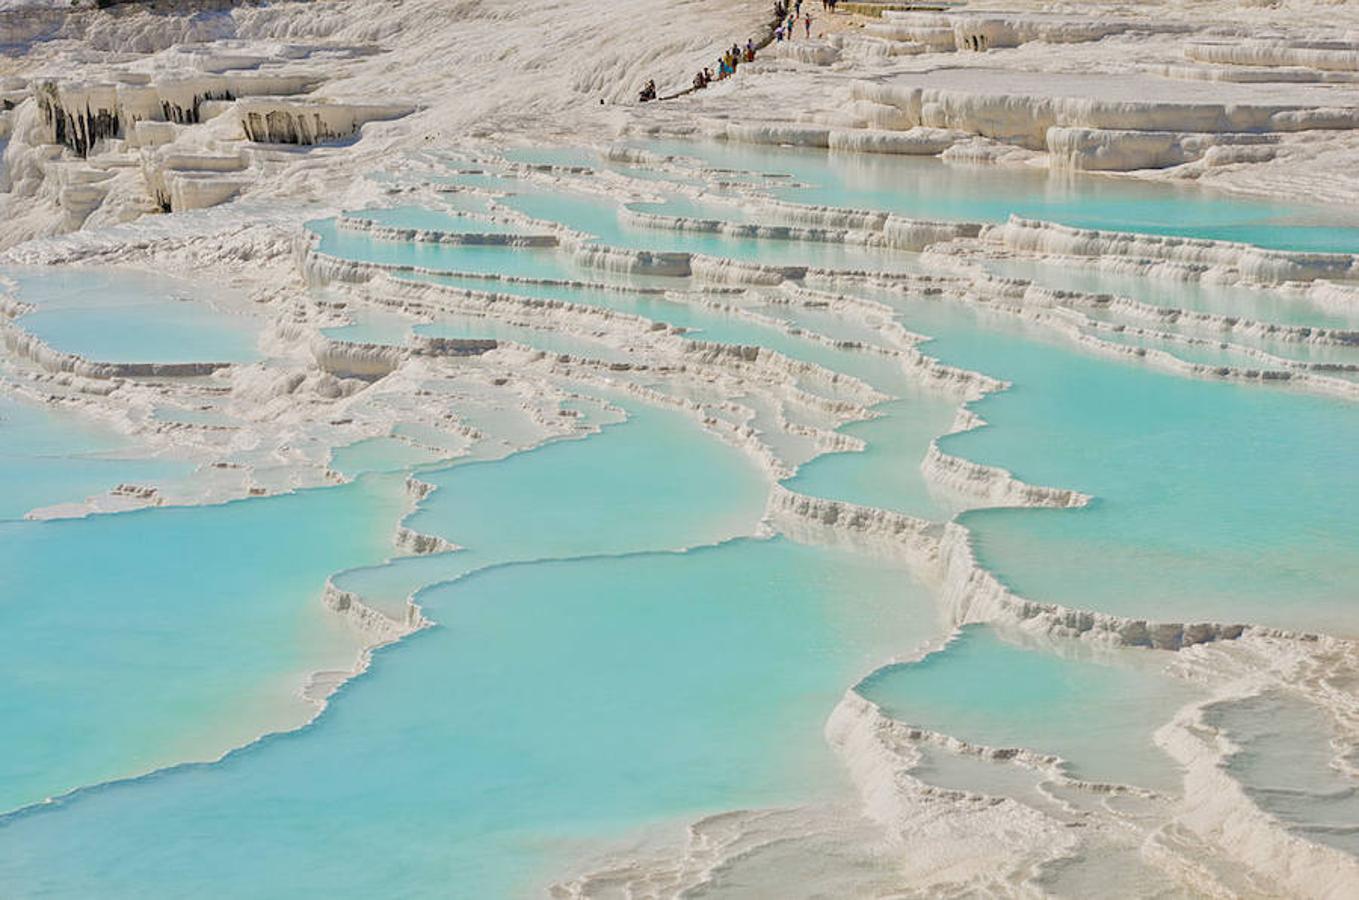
727	64
788	14
788	19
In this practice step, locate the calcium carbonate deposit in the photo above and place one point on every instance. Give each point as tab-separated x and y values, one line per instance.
919	462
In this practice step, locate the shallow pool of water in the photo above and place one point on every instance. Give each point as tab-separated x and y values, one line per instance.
613	653
1287	762
1214	501
887	472
50	457
1097	712
381	454
715	667
429	219
358	245
600	217
1260	303
183	632
123	316
929	188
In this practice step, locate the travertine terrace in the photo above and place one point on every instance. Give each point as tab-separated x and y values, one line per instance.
450	235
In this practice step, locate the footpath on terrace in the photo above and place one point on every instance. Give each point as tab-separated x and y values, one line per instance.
790	18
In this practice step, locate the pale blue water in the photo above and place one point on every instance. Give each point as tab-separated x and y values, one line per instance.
473	267
1211	354
582	497
599	216
574	497
429	254
1260	303
373	326
694	703
1097	713
181	633
423	217
703	323
1214	501
887	472
928	188
49	456
833	324
1326	358
109	315
687	207
588	677
705	678
381	454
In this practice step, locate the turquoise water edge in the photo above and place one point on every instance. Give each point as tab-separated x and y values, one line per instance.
623	642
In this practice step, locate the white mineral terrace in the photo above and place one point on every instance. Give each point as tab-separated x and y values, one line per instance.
397	203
